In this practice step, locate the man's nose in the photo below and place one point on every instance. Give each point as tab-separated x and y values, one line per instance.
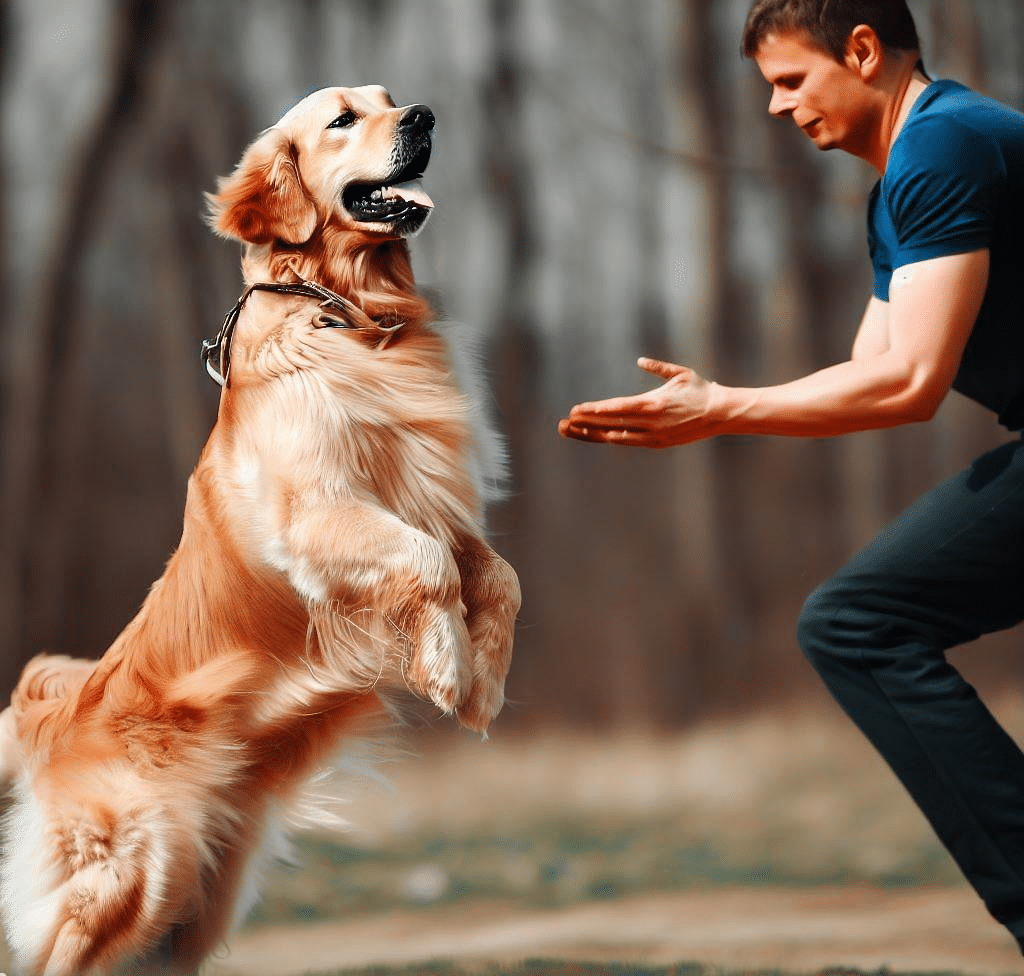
781	103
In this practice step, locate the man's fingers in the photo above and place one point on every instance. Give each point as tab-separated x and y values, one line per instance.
600	421
660	368
599	409
583	431
617	412
603	435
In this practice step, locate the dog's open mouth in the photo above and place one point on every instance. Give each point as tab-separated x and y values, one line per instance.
399	201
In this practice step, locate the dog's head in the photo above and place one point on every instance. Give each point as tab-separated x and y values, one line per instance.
347	156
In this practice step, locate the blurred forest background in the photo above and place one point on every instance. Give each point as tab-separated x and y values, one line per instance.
608	184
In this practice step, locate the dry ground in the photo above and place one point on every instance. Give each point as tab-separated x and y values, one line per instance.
925	930
817	860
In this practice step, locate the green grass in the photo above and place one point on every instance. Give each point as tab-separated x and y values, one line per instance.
559	822
554	865
477	832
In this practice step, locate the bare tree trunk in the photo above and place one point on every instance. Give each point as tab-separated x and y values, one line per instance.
729	339
42	427
649	682
965	55
10	659
187	290
507	169
6	27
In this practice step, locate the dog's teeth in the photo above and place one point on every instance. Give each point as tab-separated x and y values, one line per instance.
377	194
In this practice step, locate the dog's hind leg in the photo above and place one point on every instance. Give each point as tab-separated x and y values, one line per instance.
232	888
98	917
89	883
158	961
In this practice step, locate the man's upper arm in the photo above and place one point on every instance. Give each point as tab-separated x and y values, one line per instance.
872	337
933	305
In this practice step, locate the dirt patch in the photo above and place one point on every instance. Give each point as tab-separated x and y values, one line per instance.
801	796
943	929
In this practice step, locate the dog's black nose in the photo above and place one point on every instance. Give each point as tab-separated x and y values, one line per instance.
418	117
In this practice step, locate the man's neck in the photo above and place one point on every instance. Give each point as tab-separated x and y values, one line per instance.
908	90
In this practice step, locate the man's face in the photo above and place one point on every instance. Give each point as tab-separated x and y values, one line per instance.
826	99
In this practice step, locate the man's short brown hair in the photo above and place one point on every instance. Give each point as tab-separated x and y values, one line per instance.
828	23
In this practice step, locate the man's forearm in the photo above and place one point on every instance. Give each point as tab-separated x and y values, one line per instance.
862	394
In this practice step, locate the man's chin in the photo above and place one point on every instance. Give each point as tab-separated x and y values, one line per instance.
822	140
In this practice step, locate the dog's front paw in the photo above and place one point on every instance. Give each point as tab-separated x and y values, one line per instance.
438	667
491	588
481	705
492	652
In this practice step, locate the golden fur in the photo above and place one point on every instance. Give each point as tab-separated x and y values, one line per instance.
332	550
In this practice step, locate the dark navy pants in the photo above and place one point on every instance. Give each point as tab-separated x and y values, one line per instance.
948	570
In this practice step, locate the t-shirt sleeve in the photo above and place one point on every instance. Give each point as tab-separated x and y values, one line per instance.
942	191
879	230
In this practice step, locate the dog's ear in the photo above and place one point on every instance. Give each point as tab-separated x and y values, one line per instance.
263	199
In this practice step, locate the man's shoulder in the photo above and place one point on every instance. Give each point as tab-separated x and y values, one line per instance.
954	135
951	122
947	98
946	182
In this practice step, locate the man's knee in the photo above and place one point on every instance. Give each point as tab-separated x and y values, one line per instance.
814	623
831	625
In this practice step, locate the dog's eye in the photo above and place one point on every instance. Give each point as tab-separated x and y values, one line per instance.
344	121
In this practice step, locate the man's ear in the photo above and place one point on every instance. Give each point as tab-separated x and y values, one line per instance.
263	199
864	52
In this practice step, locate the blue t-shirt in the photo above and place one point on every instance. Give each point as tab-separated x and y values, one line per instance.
954	183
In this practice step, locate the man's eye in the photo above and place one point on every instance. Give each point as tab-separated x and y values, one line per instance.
344	121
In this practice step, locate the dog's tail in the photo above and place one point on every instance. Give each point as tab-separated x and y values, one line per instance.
51	676
57	695
45	690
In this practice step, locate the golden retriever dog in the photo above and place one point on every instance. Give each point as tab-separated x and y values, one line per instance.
332	554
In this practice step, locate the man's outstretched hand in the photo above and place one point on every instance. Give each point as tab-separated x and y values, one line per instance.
677	412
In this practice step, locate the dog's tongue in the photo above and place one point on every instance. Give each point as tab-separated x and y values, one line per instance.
411	192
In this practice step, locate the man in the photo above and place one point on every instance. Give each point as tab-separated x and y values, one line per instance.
946	244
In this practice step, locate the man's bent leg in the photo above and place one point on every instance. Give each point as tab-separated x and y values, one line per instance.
950	569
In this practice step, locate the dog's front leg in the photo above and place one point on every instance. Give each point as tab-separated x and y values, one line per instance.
387	595
490	590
